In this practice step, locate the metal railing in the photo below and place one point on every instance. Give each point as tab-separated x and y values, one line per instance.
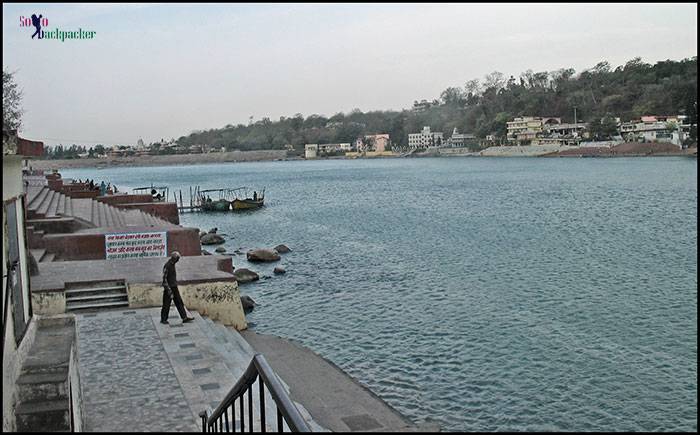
258	369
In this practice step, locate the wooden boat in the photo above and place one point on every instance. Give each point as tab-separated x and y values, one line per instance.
159	193
243	201
221	202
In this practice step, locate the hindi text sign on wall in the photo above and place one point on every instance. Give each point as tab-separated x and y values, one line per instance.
136	245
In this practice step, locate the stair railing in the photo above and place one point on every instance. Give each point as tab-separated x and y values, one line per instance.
287	412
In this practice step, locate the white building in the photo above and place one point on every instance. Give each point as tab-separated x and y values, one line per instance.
651	128
424	139
460	139
311	150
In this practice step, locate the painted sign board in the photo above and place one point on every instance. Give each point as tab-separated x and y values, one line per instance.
136	245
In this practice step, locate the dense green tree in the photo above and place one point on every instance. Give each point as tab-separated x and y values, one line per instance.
483	106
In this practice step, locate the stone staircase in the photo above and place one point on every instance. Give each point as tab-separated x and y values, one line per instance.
45	203
43	392
41	255
237	355
96	296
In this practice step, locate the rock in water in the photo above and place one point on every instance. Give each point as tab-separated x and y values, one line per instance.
205	252
211	239
220	249
245	275
282	249
213	230
247	302
279	270
262	255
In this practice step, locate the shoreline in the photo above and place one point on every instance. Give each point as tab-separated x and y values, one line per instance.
334	399
281	155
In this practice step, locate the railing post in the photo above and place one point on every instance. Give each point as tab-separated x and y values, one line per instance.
203	416
250	406
226	418
262	404
240	402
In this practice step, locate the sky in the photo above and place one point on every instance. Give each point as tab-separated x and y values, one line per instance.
157	71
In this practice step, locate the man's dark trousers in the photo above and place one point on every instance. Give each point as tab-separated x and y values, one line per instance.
166	304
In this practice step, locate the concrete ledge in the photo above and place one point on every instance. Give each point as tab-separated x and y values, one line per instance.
49	303
54	275
220	301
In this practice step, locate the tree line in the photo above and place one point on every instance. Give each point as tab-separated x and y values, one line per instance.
482	107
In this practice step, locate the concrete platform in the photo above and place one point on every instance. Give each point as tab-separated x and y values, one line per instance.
334	399
190	269
140	375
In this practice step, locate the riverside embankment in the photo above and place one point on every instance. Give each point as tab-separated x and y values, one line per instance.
622	150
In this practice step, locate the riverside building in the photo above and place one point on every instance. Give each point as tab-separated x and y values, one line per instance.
425	139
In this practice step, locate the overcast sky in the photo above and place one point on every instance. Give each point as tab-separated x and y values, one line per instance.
157	71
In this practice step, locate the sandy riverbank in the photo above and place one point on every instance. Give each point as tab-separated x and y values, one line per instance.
175	159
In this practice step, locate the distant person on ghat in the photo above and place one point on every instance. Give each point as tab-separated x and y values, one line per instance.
171	292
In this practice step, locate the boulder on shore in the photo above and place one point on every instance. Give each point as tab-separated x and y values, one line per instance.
211	239
282	249
262	255
247	302
220	249
279	270
245	275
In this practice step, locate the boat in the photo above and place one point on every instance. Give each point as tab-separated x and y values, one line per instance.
244	201
159	193
221	201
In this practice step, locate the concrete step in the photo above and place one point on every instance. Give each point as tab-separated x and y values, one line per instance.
46	203
94	285
68	206
115	296
45	416
95	305
38	254
38	199
102	214
234	358
94	290
238	356
32	387
48	257
51	211
116	216
60	205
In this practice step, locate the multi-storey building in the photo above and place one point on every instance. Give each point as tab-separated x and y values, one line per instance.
525	129
656	128
460	139
424	139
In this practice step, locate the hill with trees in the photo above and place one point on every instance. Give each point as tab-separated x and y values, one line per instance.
482	107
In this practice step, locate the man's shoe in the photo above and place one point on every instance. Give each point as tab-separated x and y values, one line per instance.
164	322
188	319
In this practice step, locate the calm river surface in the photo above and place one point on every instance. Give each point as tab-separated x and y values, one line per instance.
485	293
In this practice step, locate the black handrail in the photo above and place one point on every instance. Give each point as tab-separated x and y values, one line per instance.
286	410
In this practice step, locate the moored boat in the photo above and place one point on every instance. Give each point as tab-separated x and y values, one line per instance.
243	201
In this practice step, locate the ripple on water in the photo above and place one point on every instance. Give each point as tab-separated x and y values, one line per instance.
486	294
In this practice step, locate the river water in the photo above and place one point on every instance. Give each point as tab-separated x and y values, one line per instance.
483	293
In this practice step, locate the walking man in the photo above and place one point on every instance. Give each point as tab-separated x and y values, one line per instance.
171	292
